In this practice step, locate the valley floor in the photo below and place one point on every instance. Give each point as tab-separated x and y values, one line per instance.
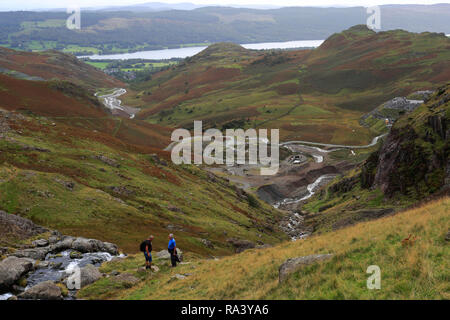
409	270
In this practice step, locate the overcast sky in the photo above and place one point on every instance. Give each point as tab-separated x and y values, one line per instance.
6	5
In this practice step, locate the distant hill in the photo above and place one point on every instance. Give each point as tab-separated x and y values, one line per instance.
53	65
135	28
152	6
314	95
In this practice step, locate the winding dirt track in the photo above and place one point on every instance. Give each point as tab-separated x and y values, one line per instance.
300	142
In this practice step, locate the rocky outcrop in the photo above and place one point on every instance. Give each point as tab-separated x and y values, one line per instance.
123	191
413	160
16	227
108	161
439	125
270	193
82	245
12	269
35	253
401	103
294	264
46	290
26	258
344	185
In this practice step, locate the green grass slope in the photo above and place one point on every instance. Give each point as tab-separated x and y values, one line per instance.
419	270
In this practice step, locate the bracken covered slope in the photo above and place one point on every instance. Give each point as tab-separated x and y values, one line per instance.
53	64
108	179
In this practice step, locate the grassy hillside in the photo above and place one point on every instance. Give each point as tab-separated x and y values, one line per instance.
314	95
107	178
417	271
53	64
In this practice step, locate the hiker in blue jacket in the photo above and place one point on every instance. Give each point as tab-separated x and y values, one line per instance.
173	250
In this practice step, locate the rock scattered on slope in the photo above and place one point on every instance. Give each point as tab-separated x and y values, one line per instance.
126	279
294	264
179	276
207	243
240	244
18	227
155	268
108	161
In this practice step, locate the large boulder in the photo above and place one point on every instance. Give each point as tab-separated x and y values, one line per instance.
35	253
294	264
46	290
89	274
111	248
164	254
83	277
92	245
64	244
11	269
86	245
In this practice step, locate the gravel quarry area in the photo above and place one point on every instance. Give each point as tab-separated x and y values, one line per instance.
306	170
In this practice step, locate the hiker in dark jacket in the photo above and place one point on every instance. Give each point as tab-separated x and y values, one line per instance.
173	250
147	252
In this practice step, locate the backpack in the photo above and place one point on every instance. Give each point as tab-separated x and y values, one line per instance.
144	244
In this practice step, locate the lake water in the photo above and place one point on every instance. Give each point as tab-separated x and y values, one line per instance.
191	51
